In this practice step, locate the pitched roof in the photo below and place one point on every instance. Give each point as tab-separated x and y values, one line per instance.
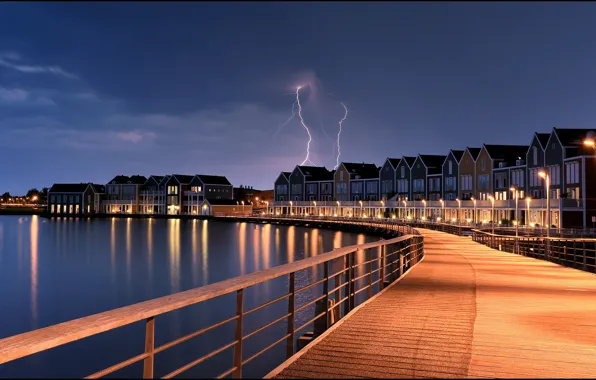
458	154
394	162
183	178
507	153
120	180
224	202
214	179
573	137
98	188
474	152
433	162
125	180
316	173
69	188
409	160
362	170
138	179
543	139
157	178
286	174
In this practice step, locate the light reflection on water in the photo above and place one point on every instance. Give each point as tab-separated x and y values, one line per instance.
56	270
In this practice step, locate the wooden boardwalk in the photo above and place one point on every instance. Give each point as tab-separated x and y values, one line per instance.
465	311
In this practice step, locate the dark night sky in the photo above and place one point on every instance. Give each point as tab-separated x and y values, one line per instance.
88	91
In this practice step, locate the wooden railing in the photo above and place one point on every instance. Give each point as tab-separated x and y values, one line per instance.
350	276
578	253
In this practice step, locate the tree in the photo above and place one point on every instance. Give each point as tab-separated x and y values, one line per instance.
5	197
32	192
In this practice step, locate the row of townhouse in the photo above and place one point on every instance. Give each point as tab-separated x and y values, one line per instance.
474	173
174	194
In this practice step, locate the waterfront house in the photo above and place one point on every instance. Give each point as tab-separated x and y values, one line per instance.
467	173
534	163
388	178
494	156
403	172
175	187
342	183
282	187
306	181
152	196
203	187
451	174
363	180
426	172
73	199
225	207
123	194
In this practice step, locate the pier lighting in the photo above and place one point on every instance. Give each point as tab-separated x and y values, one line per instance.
405	211
513	189
528	199
439	219
291	203
492	212
453	219
443	207
459	209
424	203
474	216
589	142
393	216
545	175
361	212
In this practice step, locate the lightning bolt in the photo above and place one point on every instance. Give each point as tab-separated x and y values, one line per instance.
287	121
307	159
339	133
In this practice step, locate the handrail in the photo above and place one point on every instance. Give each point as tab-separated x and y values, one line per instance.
393	257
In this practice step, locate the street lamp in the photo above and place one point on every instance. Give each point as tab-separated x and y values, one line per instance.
424	203
383	212
545	175
291	203
338	208
443	207
513	189
474	217
315	203
528	199
361	212
459	211
404	214
492	213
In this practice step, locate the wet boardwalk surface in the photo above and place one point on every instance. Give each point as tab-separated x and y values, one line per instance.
465	311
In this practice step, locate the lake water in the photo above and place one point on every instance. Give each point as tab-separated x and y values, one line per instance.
52	271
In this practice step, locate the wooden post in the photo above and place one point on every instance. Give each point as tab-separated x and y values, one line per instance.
401	264
149	348
369	259
382	267
237	374
290	331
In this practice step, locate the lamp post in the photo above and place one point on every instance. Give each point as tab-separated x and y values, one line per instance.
443	207
424	203
474	216
404	214
492	213
338	208
528	199
459	211
361	212
545	175
513	189
383	203
315	204
291	208
267	205
242	207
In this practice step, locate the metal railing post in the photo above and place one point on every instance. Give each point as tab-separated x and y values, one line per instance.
369	259
401	264
237	374
149	348
326	291
291	306
382	267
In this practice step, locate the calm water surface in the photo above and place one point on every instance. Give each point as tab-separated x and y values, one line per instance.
53	271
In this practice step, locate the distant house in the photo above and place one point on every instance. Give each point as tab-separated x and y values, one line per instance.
152	196
123	194
451	174
176	186
493	156
467	173
311	183
281	187
73	198
403	185
363	180
535	163
508	170
225	207
426	175
388	177
203	187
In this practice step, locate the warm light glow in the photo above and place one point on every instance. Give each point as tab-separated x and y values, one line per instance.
542	174
453	219
393	216
438	219
468	220
291	203
515	222
334	214
338	203
484	221
532	225
512	188
360	203
424	201
423	218
409	217
257	199
315	203
589	142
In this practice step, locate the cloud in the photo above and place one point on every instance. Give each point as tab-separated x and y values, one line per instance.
18	96
8	60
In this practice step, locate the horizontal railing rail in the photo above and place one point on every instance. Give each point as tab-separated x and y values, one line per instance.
577	253
344	278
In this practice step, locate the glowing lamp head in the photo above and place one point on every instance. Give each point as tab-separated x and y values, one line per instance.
589	142
542	174
512	188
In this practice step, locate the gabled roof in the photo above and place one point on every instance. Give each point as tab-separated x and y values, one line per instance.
286	174
433	162
138	179
394	162
183	179
543	139
120	180
156	178
98	188
316	173
364	171
507	153
214	179
573	137
458	154
69	187
224	202
474	152
126	180
165	179
409	160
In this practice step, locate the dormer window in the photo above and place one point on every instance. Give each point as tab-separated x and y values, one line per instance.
502	164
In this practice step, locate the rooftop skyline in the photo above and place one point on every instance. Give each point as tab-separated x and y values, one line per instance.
89	91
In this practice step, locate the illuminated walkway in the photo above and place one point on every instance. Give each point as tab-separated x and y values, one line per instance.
465	311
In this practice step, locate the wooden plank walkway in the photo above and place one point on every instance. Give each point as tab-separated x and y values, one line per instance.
465	311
